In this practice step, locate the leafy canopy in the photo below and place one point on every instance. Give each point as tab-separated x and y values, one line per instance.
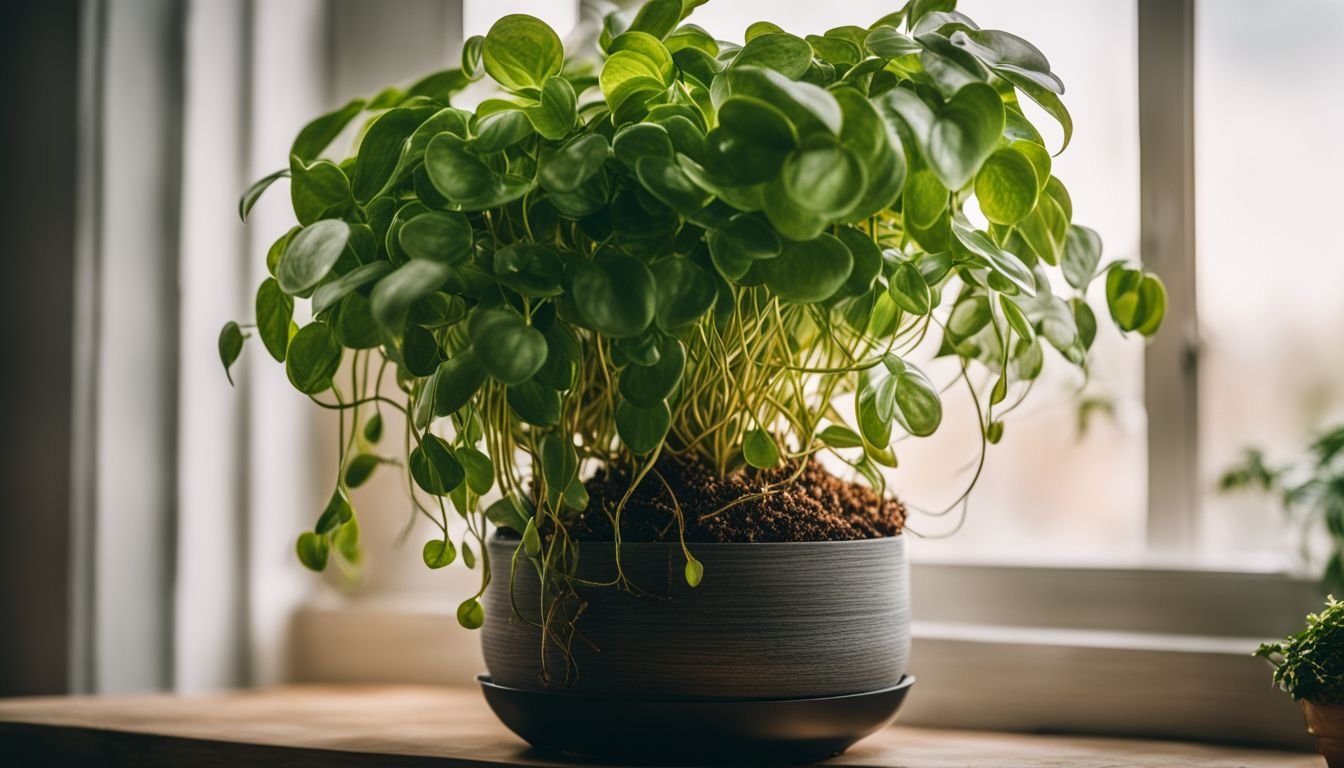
690	246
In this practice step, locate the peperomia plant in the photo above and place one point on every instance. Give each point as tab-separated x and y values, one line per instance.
728	253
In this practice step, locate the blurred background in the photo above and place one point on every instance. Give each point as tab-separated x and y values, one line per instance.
147	540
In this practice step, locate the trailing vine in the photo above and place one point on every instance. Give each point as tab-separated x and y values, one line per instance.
693	248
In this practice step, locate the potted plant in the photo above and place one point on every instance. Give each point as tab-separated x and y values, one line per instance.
624	308
1309	666
1311	492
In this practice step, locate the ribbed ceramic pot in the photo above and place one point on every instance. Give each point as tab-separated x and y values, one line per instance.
768	621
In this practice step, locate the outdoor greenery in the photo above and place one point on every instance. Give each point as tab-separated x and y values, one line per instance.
1309	666
1310	490
686	246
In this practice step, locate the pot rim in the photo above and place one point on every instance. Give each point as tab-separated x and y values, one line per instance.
495	538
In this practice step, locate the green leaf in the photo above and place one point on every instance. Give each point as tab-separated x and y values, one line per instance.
1007	187
1047	101
506	513
574	163
275	313
785	53
313	358
685	292
694	572
507	347
759	449
1007	53
642	429
1009	266
888	43
381	150
657	17
824	180
319	191
456	381
480	470
332	291
964	134
230	346
393	295
373	428
919	410
1086	320
743	238
471	614
312	550
520	52
1123	298
437	236
531	269
641	140
531	539
359	468
614	294
316	135
471	56
556	115
497	131
337	513
1153	303
811	110
669	183
438	553
1017	319
535	403
559	467
434	467
311	255
1082	253
807	272
649	385
465	180
254	192
909	289
837	436
867	258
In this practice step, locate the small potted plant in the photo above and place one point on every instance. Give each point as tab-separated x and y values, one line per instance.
624	310
1309	666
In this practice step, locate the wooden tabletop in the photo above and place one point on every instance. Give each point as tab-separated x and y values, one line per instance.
339	726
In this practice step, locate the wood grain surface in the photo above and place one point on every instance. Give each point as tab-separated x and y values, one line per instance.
339	727
758	626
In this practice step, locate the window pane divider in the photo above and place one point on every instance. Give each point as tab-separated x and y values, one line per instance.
1167	246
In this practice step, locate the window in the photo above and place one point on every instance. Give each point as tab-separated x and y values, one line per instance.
1055	565
1269	268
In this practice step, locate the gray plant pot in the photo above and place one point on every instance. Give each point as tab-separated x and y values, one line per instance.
768	621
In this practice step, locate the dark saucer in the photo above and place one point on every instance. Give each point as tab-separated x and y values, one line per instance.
694	730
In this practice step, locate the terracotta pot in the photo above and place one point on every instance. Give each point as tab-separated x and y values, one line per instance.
1326	723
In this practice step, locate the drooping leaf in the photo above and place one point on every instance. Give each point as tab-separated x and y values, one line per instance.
230	346
314	356
807	272
759	449
507	347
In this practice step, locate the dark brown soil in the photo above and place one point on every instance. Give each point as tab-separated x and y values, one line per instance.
818	506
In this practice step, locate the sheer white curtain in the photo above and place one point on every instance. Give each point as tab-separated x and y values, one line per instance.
188	492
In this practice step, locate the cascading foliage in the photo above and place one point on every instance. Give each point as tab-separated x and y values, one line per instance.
720	251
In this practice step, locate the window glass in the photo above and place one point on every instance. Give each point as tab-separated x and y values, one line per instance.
1270	265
